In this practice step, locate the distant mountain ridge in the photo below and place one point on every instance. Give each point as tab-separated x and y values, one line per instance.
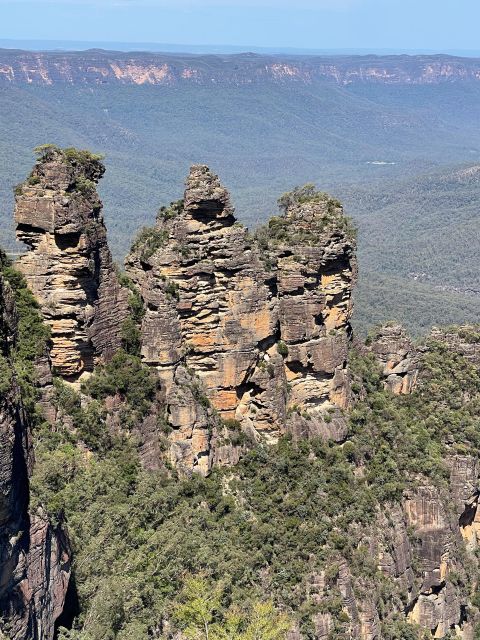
97	67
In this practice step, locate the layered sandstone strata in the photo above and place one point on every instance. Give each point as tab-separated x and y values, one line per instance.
262	323
417	546
69	267
97	68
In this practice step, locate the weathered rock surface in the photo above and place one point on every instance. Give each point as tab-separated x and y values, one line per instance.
263	325
315	273
69	267
464	340
14	452
398	357
418	546
248	335
34	556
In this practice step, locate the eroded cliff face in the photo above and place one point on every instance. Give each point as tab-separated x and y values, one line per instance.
411	565
429	542
398	357
34	555
262	323
106	67
312	251
68	266
14	451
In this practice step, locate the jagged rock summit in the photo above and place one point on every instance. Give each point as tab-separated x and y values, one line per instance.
262	321
69	267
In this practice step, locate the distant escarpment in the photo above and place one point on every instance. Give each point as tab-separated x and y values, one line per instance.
98	67
262	322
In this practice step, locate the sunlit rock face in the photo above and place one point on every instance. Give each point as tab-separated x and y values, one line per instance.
261	321
398	358
58	215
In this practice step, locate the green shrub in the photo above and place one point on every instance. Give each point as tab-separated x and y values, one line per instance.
86	187
172	211
130	332
172	290
6	376
148	241
131	337
127	376
32	337
282	349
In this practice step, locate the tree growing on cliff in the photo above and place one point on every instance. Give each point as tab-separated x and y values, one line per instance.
200	615
198	605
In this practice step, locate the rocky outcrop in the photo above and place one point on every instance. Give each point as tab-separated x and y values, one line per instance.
416	549
260	324
313	253
398	357
438	604
34	556
248	337
69	267
464	340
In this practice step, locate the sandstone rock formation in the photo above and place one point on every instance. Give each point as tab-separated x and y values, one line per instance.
248	335
34	556
417	545
438	603
69	266
463	340
259	324
398	357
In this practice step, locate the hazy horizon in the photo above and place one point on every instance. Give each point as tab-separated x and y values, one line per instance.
205	48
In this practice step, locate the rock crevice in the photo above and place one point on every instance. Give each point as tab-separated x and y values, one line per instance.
263	321
68	266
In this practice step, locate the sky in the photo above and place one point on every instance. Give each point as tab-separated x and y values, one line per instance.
433	25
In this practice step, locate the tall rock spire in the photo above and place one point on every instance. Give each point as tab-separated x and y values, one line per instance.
69	267
261	322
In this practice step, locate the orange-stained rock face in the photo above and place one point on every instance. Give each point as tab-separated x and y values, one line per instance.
69	266
223	306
